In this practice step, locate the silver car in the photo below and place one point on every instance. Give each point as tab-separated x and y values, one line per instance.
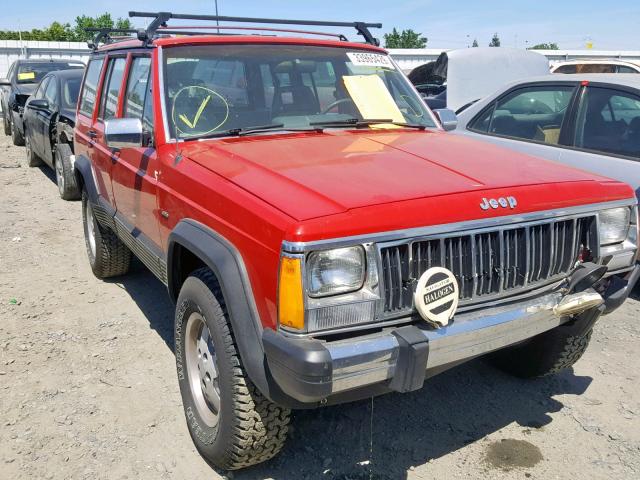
589	121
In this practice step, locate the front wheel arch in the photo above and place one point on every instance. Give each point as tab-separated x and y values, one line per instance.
198	245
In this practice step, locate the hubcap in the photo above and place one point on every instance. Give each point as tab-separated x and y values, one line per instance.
91	234
59	173
202	369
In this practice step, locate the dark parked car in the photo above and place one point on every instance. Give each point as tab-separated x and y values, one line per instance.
48	122
21	81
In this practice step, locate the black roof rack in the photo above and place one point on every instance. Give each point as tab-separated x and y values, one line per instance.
103	35
160	19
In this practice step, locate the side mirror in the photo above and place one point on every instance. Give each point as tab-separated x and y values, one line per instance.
123	133
38	104
447	118
5	82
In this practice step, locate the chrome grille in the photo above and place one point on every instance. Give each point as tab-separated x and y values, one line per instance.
486	263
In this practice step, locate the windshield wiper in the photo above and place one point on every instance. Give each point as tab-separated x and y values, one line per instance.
357	123
239	132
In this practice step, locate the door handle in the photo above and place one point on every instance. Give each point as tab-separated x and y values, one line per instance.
92	134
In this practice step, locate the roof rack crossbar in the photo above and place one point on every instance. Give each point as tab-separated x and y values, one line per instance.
161	19
104	35
178	29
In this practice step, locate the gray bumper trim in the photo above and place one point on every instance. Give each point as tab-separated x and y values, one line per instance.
373	358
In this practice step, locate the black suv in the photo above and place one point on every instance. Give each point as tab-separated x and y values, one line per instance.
20	83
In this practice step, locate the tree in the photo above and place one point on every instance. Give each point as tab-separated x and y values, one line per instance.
475	42
405	39
63	32
495	41
545	46
101	21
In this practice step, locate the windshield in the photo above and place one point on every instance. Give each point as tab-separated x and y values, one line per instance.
34	72
216	88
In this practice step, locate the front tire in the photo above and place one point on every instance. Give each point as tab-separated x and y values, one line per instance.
231	423
16	136
32	159
65	178
108	255
5	121
546	354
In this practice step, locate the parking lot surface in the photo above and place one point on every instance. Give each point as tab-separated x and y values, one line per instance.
88	386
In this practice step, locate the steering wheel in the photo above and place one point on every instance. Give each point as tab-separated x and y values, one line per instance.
333	105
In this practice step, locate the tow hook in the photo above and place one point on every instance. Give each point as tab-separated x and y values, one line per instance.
575	303
581	296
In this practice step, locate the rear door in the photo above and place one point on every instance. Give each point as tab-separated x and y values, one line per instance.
103	158
607	133
85	135
135	172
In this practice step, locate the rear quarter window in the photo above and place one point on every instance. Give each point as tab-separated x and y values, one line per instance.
90	88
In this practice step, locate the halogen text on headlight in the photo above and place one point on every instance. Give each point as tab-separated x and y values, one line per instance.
614	225
331	272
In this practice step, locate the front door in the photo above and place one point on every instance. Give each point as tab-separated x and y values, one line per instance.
134	175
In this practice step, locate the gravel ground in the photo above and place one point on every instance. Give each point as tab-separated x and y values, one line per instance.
88	386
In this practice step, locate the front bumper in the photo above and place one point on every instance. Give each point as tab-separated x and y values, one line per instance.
314	371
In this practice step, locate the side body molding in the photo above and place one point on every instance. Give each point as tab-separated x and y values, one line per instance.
227	264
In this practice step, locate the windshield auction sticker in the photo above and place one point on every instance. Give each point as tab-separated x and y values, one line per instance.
364	59
436	296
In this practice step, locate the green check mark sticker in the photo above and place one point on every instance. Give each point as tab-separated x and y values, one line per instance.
192	124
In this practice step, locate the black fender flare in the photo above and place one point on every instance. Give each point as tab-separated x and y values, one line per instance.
83	171
227	264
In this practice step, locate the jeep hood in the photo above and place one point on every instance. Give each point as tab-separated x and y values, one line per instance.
315	175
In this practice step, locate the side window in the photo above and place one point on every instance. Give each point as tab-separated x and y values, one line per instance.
609	121
596	68
111	88
532	113
566	69
89	90
138	99
626	69
39	93
51	93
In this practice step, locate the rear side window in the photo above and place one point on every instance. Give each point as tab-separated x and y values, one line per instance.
532	113
111	88
626	69
138	98
92	77
609	121
51	93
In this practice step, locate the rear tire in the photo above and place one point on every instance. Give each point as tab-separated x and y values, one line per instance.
16	136
65	178
545	354
108	255
33	160
5	121
231	423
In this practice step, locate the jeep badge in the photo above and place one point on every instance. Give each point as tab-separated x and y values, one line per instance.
504	202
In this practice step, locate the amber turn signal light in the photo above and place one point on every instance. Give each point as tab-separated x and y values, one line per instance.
290	301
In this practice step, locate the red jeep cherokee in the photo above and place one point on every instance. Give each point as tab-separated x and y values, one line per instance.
323	238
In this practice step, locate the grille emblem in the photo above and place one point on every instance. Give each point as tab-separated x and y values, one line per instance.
436	296
504	202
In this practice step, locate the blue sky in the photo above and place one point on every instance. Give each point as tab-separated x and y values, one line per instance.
570	23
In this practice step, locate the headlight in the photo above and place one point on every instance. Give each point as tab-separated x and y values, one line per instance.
331	272
614	225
